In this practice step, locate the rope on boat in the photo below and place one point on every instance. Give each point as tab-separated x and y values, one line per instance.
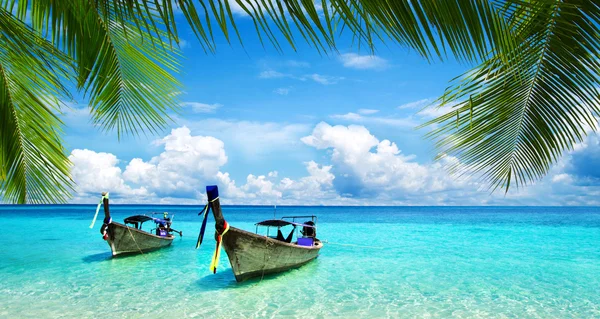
215	260
135	241
353	245
265	260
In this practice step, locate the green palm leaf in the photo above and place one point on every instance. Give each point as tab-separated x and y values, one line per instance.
124	66
512	121
34	166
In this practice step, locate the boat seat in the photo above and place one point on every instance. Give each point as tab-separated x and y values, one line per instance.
306	241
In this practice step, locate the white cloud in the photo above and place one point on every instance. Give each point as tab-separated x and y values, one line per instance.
367	111
363	62
253	140
324	79
416	104
562	178
238	10
391	121
350	116
272	74
296	64
363	165
435	111
186	163
317	185
282	91
260	186
95	173
319	78
198	107
360	169
427	109
183	44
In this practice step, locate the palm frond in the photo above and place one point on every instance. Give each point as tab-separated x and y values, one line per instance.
125	66
468	29
34	165
512	121
132	86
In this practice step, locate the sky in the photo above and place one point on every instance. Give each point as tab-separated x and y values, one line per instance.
302	128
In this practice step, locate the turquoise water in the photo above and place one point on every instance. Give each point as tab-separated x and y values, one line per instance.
417	262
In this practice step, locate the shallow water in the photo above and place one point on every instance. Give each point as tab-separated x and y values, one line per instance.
400	262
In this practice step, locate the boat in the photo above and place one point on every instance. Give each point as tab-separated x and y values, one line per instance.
255	255
129	237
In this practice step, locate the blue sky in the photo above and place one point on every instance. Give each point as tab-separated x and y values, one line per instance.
302	128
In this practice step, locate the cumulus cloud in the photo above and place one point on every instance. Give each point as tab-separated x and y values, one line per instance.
186	163
363	62
97	172
359	169
317	185
365	166
179	174
315	188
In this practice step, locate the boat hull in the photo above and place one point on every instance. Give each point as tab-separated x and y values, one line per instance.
127	240
252	255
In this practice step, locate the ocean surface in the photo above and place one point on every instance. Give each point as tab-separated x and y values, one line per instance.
379	262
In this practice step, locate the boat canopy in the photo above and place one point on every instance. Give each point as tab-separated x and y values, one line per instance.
281	223
144	218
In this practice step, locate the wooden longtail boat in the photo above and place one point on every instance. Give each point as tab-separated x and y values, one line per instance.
124	239
253	255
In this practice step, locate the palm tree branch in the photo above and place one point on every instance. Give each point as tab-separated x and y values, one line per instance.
35	168
517	117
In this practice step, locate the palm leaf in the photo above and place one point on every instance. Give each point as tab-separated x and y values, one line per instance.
124	65
513	120
34	166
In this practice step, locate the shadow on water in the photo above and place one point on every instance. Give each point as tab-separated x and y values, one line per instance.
107	256
226	280
223	279
97	258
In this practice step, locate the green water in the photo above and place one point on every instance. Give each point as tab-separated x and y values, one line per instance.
391	262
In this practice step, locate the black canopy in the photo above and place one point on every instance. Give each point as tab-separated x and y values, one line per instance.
281	223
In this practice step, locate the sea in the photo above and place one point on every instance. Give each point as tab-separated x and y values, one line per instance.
377	262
